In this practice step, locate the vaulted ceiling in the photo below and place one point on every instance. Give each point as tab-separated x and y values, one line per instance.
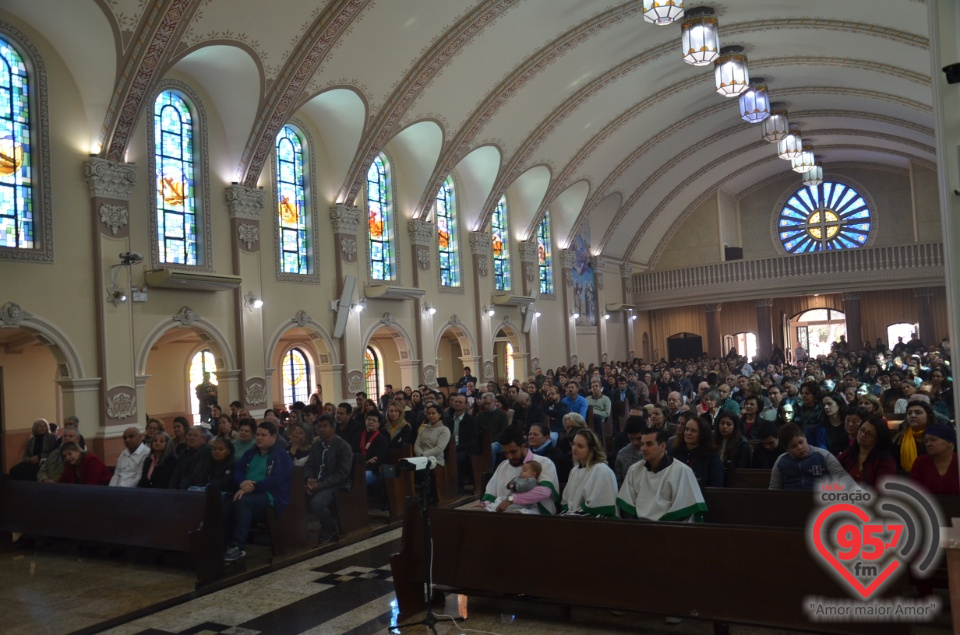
580	107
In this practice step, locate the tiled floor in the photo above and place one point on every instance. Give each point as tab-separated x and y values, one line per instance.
345	590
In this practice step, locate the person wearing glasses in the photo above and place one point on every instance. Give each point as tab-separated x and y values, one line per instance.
869	459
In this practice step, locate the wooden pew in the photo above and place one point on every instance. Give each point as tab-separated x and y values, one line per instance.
353	513
400	486
482	464
288	533
710	563
445	476
170	520
748	478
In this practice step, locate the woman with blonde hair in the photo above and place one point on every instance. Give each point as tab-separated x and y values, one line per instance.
592	486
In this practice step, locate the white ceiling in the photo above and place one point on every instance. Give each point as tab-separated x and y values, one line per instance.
580	107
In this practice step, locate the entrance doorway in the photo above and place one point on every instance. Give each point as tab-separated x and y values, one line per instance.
817	330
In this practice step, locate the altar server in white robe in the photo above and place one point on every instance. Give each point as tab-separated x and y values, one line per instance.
659	487
592	487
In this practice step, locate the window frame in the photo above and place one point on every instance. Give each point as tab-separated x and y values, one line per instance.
793	190
308	368
506	271
454	234
201	179
41	190
309	167
390	222
547	266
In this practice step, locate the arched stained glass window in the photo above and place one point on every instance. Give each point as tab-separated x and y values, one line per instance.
16	195
292	204
828	216
380	221
500	234
177	231
545	255
373	373
446	218
296	377
202	362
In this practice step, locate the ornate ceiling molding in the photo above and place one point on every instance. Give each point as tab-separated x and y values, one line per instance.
155	40
834	166
327	28
432	62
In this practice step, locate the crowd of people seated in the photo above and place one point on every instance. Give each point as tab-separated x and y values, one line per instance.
632	439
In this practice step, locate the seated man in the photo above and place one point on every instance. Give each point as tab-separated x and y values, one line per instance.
328	469
574	401
768	451
601	406
659	487
465	430
130	461
545	495
262	475
630	454
193	462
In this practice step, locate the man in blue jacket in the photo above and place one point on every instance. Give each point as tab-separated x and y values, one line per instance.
263	477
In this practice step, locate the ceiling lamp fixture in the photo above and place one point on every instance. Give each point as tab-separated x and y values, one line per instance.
790	147
814	176
730	69
701	43
754	102
805	162
775	127
662	11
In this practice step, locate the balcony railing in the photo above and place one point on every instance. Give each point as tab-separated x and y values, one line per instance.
821	272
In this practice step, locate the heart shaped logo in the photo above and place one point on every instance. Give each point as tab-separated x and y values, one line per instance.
857	543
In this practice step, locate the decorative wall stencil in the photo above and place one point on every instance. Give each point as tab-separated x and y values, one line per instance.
12	315
249	235
301	319
121	404
573	360
108	179
430	376
345	219
535	363
186	316
245	202
423	257
348	248
603	358
114	217
421	232
482	266
480	243
355	382
487	371
255	393
387	320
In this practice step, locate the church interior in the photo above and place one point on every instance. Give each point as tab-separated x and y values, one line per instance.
337	195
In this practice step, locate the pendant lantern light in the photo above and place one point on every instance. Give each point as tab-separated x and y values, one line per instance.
790	146
805	162
775	127
701	42
754	102
730	69
662	11
814	176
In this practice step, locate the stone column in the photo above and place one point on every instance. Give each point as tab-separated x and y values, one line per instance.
626	285
764	328
925	321
598	263
567	259
714	339
245	205
851	308
111	185
529	276
345	222
481	250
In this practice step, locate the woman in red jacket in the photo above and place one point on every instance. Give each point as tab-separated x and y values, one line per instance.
82	467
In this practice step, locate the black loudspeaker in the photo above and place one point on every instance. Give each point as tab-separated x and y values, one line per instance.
732	253
952	71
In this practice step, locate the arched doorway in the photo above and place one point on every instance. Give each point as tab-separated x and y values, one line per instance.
745	344
816	330
302	360
454	348
394	352
904	330
507	349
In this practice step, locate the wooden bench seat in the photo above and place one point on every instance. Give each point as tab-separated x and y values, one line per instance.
353	513
170	520
288	533
401	486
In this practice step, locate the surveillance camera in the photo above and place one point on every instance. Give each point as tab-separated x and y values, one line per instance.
131	258
952	71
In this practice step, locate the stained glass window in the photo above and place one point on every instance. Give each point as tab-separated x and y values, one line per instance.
292	204
296	377
501	246
380	220
828	216
176	197
446	218
373	374
16	198
544	255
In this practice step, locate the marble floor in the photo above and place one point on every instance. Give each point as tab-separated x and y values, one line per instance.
344	589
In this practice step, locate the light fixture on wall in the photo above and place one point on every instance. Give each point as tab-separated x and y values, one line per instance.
790	147
606	316
698	34
775	127
359	306
754	102
805	162
730	71
489	310
251	302
116	295
429	310
575	315
662	12
814	176
537	314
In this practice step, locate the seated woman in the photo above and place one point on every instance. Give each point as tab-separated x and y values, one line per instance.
908	442
698	453
907	388
732	448
803	467
869	458
40	444
433	437
592	486
154	426
159	466
244	439
871	404
937	469
220	467
809	412
750	415
832	434
398	430
82	467
372	445
225	429
851	424
300	441
942	388
179	439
